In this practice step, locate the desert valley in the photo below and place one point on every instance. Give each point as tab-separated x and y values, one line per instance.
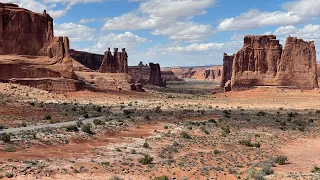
69	114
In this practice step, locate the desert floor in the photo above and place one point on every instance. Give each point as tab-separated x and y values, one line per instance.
183	131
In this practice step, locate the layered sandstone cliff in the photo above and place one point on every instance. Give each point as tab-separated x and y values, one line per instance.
155	75
256	62
263	62
23	32
116	63
89	60
30	53
227	69
298	65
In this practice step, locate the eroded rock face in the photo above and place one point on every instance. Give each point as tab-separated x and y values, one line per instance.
262	62
30	53
227	69
23	32
256	62
116	63
155	75
298	65
89	60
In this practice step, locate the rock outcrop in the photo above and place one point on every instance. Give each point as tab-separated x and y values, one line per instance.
89	60
263	62
23	32
256	62
116	63
298	65
30	53
227	69
155	75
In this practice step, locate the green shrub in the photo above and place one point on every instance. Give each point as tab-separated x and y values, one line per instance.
5	137
248	143
161	178
225	130
105	164
146	159
10	149
48	117
9	175
281	160
216	151
261	113
98	122
146	145
185	135
115	178
315	169
86	128
72	128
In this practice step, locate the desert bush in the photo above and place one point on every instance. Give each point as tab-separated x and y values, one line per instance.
86	128
261	113
9	175
128	111
72	128
146	145
105	164
248	143
115	178
315	169
48	117
203	129
185	135
281	160
146	159
5	137
216	151
10	149
98	122
225	130
161	178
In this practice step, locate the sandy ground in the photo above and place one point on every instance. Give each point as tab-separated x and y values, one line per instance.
301	148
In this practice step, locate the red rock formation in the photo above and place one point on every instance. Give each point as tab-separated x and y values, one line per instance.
298	65
227	69
23	32
262	62
118	63
155	75
28	50
256	62
89	60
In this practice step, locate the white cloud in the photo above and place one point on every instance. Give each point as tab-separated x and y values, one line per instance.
124	40
166	17
132	21
207	48
73	1
38	6
175	8
185	31
75	32
84	21
285	30
255	18
305	8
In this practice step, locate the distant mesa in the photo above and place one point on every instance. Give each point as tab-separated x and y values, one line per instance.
263	62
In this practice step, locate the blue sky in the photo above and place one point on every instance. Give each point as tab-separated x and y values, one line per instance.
177	32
